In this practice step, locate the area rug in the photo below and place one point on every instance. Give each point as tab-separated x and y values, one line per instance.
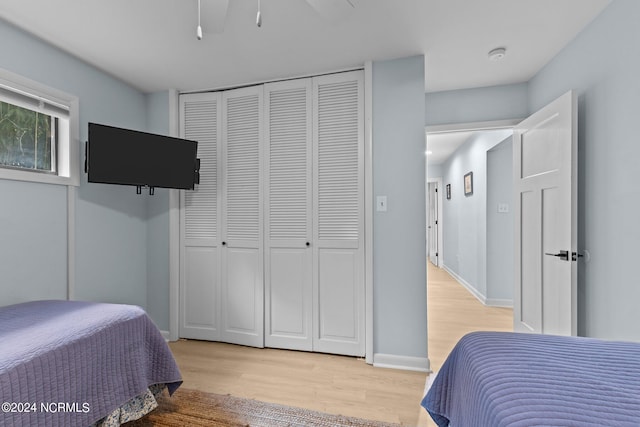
195	408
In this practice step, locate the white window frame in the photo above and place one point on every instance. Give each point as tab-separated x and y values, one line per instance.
67	168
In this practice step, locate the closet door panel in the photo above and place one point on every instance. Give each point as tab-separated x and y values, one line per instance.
338	157
242	228
288	256
289	311
337	295
200	116
200	318
243	290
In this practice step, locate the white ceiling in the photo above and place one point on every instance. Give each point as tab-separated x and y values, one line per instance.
152	43
442	145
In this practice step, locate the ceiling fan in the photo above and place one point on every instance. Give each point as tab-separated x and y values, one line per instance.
214	13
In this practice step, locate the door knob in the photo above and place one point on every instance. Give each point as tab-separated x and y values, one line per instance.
563	255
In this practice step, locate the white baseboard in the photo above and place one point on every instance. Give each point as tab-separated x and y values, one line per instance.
467	285
407	363
490	302
497	302
165	335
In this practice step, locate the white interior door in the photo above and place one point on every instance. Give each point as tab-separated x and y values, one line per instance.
199	222
242	287
338	206
288	253
545	181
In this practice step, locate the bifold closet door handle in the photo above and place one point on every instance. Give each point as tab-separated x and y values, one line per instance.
224	243
308	244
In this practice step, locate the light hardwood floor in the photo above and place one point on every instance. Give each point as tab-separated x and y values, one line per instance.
338	384
453	312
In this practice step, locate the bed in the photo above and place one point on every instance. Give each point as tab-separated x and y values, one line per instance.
501	379
73	363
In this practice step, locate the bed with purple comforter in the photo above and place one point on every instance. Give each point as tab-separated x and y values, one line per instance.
521	380
72	363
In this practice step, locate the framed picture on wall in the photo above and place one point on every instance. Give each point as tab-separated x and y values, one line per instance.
448	191
468	184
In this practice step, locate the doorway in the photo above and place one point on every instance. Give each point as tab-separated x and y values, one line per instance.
434	221
460	291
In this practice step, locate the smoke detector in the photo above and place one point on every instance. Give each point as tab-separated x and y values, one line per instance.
497	54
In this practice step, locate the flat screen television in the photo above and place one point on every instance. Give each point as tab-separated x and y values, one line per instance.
128	157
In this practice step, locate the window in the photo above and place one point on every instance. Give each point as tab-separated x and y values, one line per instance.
38	132
27	139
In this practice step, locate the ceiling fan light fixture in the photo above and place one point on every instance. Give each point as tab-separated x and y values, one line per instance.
497	54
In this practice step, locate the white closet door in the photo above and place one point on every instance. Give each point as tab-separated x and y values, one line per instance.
242	228
338	204
199	222
288	254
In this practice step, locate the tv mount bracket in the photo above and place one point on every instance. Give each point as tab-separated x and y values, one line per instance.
152	190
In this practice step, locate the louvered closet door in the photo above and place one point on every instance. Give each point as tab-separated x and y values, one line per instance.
338	204
242	228
288	254
199	222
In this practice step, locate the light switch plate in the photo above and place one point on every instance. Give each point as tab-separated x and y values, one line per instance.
503	208
381	203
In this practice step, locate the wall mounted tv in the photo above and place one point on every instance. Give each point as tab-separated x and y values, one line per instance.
128	157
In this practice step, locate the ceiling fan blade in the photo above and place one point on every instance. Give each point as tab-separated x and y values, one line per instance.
214	15
333	10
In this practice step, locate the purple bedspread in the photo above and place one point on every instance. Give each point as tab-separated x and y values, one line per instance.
70	363
522	380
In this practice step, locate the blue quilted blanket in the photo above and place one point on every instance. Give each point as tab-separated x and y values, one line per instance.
494	379
70	363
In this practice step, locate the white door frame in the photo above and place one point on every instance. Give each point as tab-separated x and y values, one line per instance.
440	247
174	229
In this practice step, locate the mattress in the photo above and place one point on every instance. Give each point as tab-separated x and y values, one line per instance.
71	363
521	380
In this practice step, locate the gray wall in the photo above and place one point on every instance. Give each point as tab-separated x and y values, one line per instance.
603	65
500	226
476	105
33	241
465	217
434	171
399	246
110	227
158	224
